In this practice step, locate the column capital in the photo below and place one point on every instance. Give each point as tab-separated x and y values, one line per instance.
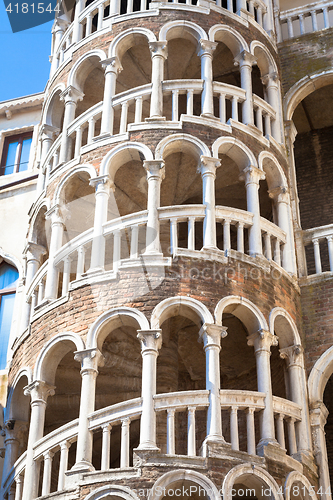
59	25
55	214
245	58
151	340
291	130
71	94
39	391
112	65
102	183
262	340
159	49
252	175
318	415
208	165
155	168
48	131
90	359
33	251
293	355
280	194
271	79
212	334
206	47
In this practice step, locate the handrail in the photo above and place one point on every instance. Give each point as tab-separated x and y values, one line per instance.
114	413
52	440
272	229
181	400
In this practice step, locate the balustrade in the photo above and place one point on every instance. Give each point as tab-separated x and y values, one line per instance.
321	239
313	17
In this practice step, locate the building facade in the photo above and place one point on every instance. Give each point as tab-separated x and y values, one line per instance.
166	255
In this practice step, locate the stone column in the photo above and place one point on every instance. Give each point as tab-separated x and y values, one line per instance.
245	61
298	390
262	342
252	175
151	342
272	88
33	253
159	53
39	392
57	231
70	96
282	200
207	170
205	52
155	175
77	27
211	336
12	433
102	192
58	31
112	68
90	359
318	417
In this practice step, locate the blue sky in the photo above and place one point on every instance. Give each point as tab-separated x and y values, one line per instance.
24	58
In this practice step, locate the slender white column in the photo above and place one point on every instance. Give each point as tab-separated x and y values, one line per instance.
10	432
125	443
115	7
282	200
58	30
330	250
280	430
46	487
207	170
251	434
246	60
272	89
19	487
252	175
171	432
191	448
234	428
316	249
262	342
155	174
57	231
211	336
297	385
64	450
77	27
159	53
70	96
151	342
205	52
241	5
318	416
39	392
102	187
90	359
106	446
46	137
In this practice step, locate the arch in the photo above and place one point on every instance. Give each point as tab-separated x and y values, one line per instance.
265	60
47	109
159	488
189	307
72	77
53	352
251	472
244	310
303	88
189	144
230	37
23	372
124	153
182	29
319	375
13	261
295	476
45	202
236	150
274	172
86	167
120	316
280	318
107	492
127	39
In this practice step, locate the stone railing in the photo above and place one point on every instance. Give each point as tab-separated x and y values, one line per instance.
242	432
274	239
235	95
306	19
175	88
265	115
321	238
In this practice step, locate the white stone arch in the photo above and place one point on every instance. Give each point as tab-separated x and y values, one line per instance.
187	306
47	108
253	476
53	352
127	39
116	317
13	261
230	37
106	492
181	142
236	150
45	202
265	60
303	88
9	411
248	313
319	375
182	29
275	175
293	477
285	327
85	167
122	154
74	72
179	476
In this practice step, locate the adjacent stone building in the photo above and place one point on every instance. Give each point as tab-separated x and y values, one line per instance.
166	256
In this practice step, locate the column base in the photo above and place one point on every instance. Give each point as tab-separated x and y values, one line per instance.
271	450
81	467
155	119
215	446
210	116
141	457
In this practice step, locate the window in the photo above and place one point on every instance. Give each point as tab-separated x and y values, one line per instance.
16	151
8	278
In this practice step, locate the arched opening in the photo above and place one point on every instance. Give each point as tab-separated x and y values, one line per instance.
18	419
246	481
41	232
8	280
55	112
